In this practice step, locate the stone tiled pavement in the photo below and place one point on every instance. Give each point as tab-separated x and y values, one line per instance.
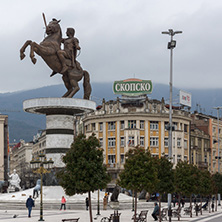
57	215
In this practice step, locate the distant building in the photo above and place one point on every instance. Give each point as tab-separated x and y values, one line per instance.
200	148
4	147
20	157
129	122
209	125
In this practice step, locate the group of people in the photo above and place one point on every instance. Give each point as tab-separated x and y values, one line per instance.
182	202
30	203
105	201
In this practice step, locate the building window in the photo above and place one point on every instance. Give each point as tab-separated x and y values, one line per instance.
122	125
179	142
154	125
154	141
166	126
214	165
111	125
174	142
178	158
112	142
185	144
132	124
166	142
185	158
174	126
87	127
122	158
141	124
111	159
122	141
131	141
142	141
93	126
185	128
205	158
214	129
192	158
101	142
100	126
173	158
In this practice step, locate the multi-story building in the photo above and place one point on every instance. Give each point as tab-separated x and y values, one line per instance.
4	147
200	152
20	157
129	122
209	124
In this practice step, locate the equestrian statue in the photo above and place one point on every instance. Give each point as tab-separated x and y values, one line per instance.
62	61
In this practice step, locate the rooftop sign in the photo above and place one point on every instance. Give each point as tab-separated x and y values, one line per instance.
132	87
185	98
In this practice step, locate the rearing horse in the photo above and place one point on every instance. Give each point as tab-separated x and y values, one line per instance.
47	49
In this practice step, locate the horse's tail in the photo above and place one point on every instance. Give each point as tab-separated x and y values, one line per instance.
86	85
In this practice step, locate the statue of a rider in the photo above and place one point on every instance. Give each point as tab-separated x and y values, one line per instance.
15	180
71	45
59	60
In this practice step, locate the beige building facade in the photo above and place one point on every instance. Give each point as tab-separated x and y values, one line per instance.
125	123
200	149
20	157
209	125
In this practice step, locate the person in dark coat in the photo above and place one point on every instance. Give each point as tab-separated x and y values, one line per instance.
87	203
155	211
29	205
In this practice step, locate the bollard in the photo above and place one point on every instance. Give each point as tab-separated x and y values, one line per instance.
116	216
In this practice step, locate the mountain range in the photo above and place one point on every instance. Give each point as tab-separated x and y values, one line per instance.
24	125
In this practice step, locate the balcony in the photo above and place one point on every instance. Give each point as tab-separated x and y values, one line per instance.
111	165
202	165
114	167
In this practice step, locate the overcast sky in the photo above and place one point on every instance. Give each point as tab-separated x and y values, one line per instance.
120	39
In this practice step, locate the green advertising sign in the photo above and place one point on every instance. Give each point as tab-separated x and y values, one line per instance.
132	87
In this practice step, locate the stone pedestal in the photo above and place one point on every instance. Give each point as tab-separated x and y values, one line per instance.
60	115
11	189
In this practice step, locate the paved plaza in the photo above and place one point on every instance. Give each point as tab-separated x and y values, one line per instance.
126	215
12	208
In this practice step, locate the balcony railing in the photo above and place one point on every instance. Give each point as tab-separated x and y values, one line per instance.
202	164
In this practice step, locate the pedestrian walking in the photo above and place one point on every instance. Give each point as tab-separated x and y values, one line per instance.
212	206
30	204
182	202
107	196
105	202
174	201
63	203
87	203
155	211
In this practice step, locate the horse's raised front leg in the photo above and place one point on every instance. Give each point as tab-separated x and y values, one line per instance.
22	50
34	47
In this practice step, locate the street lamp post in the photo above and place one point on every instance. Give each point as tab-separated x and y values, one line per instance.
218	157
41	166
171	45
98	213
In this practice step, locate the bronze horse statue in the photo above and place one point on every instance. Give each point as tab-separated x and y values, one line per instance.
48	49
